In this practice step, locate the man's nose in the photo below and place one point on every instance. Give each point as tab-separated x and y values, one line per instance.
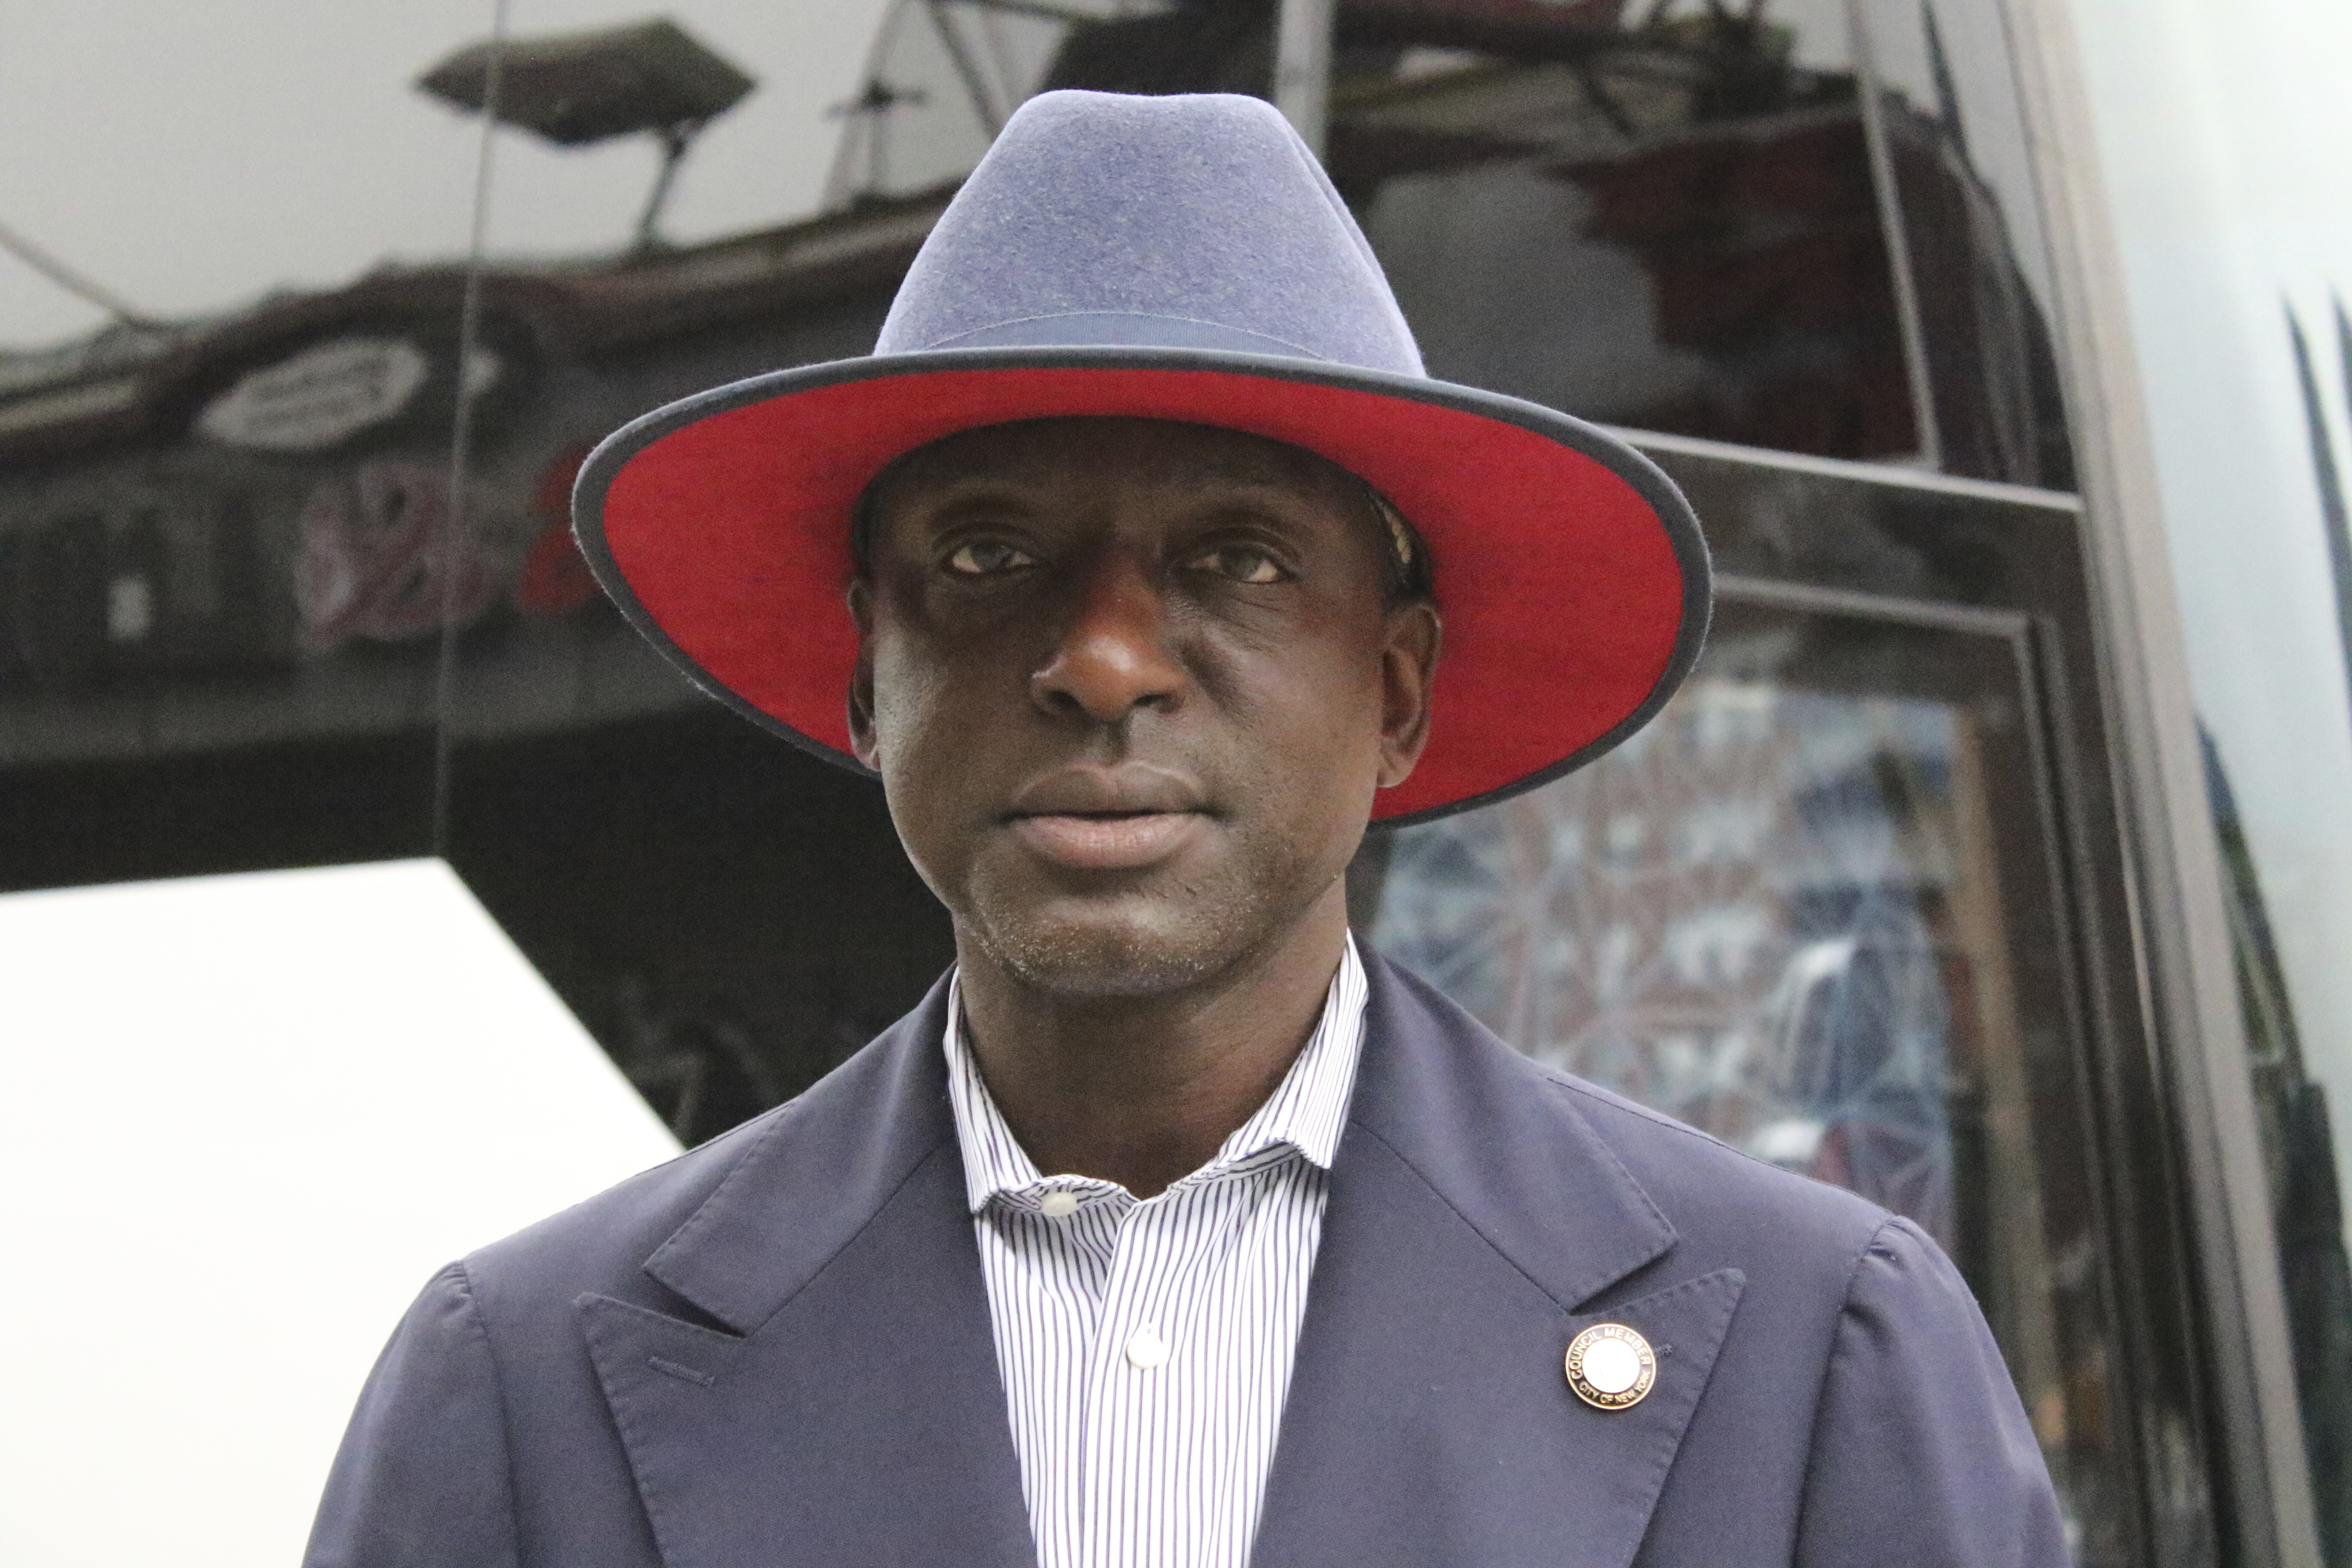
1112	656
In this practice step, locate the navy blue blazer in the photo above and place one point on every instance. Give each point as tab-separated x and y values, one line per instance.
775	1351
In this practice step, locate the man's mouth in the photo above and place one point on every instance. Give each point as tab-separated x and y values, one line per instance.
1107	841
1107	818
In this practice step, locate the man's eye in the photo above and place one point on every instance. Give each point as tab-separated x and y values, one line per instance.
1243	564
986	557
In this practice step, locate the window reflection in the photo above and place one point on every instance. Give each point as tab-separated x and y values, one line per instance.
1789	912
2301	1161
124	162
1812	910
1939	98
944	75
2298	1134
232	532
1746	921
1681	220
222	511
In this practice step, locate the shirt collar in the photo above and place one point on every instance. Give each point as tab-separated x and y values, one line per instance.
1306	1112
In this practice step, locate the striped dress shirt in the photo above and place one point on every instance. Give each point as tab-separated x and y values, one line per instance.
1146	1347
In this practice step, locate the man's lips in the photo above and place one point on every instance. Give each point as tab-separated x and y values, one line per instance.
1107	843
1098	817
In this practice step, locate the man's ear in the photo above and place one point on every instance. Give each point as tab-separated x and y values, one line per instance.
863	741
1415	637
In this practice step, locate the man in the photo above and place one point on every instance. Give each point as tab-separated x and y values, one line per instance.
1173	1227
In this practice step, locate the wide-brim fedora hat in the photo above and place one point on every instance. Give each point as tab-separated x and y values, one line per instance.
1182	259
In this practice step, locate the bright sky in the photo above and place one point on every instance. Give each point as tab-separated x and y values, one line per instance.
242	1121
193	157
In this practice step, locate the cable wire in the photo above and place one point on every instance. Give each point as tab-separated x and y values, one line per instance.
461	440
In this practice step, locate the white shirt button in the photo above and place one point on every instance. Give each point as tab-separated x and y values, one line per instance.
1146	1349
1058	1205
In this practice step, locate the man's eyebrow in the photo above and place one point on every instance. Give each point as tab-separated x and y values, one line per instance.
1012	484
1251	472
1003	486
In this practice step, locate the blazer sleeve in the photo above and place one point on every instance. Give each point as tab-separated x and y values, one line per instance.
1922	1455
422	1479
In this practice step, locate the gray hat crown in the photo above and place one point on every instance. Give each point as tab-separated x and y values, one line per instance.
1197	221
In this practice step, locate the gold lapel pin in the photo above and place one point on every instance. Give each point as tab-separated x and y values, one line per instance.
1611	1367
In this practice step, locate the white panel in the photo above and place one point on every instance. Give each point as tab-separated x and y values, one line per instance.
242	1121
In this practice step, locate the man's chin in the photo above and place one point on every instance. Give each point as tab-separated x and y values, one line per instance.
1113	951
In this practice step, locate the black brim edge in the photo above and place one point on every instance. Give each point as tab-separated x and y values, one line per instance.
1673	511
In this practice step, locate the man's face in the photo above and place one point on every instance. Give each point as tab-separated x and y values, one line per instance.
1130	686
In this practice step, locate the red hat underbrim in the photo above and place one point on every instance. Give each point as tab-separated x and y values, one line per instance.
1570	572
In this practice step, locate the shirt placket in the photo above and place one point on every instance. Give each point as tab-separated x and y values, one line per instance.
1130	1368
1080	1285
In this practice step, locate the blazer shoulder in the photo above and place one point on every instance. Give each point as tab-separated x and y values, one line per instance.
1713	1192
601	1243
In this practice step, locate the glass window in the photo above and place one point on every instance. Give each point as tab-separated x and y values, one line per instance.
1819	908
2234	225
942	75
729	916
286	574
1767	223
231	250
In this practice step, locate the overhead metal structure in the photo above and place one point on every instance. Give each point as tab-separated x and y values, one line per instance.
578	90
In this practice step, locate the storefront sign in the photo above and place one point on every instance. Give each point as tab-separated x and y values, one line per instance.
319	397
381	557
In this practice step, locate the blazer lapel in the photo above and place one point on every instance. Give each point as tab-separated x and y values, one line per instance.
848	1408
1475	1222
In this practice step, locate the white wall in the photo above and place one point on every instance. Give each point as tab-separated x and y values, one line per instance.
242	1121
